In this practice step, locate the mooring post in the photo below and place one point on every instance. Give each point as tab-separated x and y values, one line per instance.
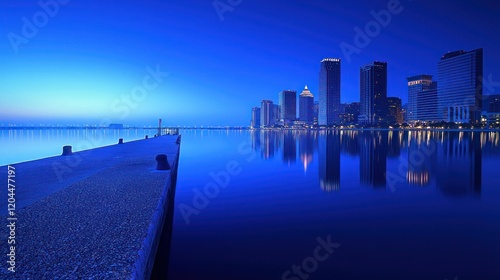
162	162
67	151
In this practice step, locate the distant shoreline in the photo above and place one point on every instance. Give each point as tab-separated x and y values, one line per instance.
256	129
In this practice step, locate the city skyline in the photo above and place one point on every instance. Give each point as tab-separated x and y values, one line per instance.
206	65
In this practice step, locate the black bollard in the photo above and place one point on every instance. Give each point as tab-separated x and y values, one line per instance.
67	151
162	162
146	137
120	141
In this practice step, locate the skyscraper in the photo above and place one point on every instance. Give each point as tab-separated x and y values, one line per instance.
373	92
255	123
267	117
394	111
306	106
316	112
276	112
288	104
416	84
404	109
329	91
460	88
427	103
492	104
351	113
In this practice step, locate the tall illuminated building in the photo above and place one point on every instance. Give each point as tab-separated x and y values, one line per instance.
329	92
306	106
316	112
416	85
288	105
394	110
460	88
255	123
373	92
427	103
267	113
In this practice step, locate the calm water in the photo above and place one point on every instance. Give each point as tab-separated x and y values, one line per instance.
337	205
320	205
29	144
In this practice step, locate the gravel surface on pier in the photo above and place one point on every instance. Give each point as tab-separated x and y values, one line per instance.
94	226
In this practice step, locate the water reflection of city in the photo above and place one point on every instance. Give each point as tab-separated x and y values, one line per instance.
450	160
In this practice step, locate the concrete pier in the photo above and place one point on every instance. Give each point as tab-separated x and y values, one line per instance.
96	214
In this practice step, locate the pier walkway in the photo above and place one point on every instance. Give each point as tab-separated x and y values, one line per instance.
92	214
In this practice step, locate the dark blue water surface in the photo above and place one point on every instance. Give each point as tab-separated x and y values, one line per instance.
337	205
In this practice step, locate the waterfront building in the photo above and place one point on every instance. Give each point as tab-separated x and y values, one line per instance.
373	92
460	88
288	106
427	103
316	112
351	113
394	110
329	92
492	103
267	113
306	106
416	85
404	111
277	113
255	123
491	109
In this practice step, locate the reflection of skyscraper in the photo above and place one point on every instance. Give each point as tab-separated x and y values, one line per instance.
373	158
306	147
329	91
460	164
329	161
419	164
306	106
460	86
289	147
349	142
394	147
373	92
255	139
268	143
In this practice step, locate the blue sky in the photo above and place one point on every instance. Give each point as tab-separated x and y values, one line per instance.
87	61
